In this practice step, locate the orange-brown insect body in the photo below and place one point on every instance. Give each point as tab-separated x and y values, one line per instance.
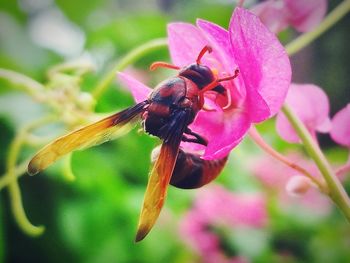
175	97
192	172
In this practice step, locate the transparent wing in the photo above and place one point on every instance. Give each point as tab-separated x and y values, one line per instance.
91	135
160	176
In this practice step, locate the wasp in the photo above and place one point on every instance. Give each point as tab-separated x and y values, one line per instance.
167	113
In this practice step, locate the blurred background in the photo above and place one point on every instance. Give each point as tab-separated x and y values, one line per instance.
94	217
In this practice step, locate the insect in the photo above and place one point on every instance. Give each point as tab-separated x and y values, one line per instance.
167	113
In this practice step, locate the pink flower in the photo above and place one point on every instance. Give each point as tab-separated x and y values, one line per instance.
340	132
290	190
311	105
304	16
215	209
257	93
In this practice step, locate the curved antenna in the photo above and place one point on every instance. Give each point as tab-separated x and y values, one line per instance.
203	51
214	83
161	64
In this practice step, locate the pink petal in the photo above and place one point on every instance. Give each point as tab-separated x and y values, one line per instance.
217	207
239	209
325	126
218	40
272	14
223	131
306	15
139	91
302	15
285	130
340	132
263	63
311	105
185	43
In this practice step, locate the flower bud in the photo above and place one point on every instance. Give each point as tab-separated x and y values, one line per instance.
298	185
86	101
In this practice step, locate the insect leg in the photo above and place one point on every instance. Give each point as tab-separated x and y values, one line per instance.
197	138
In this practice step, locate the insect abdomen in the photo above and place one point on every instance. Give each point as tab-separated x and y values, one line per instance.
193	172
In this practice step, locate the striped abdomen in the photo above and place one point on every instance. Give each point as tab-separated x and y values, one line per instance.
193	172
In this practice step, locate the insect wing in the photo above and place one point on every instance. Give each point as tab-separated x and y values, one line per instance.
160	176
91	135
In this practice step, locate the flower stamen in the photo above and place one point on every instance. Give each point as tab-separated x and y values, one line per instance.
229	99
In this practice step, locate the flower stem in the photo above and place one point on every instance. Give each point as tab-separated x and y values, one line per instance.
29	85
254	134
79	67
7	178
67	168
12	173
305	39
336	190
128	59
15	192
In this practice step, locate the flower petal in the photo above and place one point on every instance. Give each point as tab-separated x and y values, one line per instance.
285	130
306	15
263	63
340	132
218	39
223	131
272	14
139	91
325	126
185	43
310	103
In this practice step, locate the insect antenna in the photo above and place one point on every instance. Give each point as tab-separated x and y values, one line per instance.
213	84
161	64
203	51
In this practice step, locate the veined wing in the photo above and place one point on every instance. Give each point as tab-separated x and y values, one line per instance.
91	135
160	175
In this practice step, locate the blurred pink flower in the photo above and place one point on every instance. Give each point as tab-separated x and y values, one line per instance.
257	93
340	132
311	105
217	209
280	179
304	16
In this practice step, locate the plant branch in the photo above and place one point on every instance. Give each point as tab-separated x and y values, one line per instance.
12	173
128	59
29	85
256	137
7	177
15	192
336	190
